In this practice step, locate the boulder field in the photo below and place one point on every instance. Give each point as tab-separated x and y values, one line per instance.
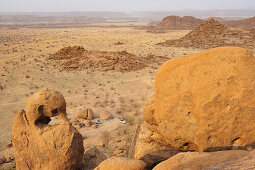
203	103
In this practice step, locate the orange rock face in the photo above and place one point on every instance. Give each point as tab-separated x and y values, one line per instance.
38	145
204	101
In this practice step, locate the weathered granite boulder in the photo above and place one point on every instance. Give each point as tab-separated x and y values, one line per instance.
202	102
38	145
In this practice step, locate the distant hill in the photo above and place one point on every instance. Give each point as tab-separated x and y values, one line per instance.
212	34
244	23
217	19
31	19
99	14
177	23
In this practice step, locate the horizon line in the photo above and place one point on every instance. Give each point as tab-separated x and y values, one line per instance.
127	11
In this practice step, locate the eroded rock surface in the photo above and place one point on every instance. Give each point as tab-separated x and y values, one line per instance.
202	102
38	145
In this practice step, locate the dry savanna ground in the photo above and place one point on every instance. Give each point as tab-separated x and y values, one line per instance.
24	69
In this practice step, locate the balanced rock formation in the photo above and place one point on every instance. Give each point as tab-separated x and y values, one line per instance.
202	102
38	145
121	163
212	34
199	160
177	23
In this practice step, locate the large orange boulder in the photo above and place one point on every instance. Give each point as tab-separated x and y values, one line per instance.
203	101
38	145
121	163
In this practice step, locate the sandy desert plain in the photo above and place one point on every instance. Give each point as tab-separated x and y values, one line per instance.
25	68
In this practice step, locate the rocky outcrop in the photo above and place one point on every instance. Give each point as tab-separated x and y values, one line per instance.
77	58
212	34
198	161
38	145
202	102
121	163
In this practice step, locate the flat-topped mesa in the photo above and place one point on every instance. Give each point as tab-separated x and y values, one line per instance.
202	102
38	145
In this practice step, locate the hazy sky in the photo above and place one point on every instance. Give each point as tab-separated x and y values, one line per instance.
120	5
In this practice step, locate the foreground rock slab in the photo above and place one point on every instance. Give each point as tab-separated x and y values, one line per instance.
38	145
202	102
243	161
197	161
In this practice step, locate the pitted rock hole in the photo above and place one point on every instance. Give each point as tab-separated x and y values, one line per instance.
233	141
54	112
42	119
40	109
